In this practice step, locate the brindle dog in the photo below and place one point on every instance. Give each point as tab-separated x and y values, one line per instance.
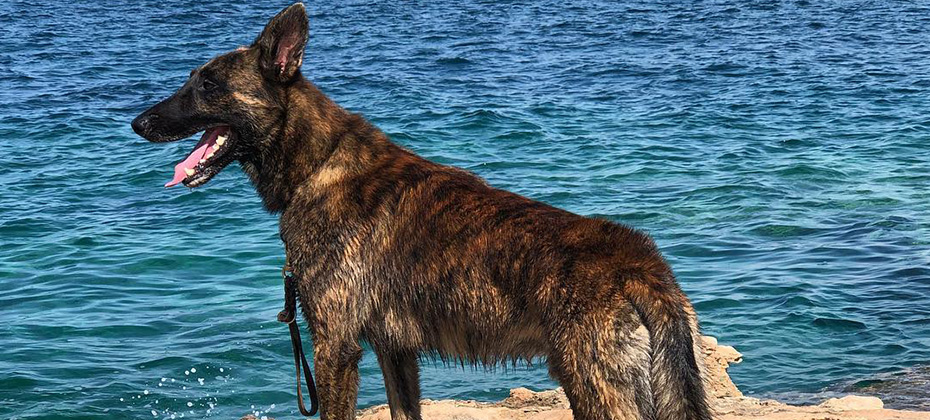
422	259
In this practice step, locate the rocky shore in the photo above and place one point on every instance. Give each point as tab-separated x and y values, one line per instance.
729	403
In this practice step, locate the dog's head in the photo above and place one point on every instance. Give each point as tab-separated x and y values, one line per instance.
235	99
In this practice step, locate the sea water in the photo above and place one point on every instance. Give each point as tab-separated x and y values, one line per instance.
779	153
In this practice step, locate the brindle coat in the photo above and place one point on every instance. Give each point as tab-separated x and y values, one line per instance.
419	258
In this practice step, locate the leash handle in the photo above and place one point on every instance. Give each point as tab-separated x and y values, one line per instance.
300	359
289	316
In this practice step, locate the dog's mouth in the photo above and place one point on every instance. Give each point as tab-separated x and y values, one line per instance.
211	154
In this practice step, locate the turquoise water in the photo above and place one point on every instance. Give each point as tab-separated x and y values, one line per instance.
778	152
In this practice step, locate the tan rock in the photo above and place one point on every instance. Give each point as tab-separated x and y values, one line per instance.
556	414
728	402
853	402
520	394
717	360
525	398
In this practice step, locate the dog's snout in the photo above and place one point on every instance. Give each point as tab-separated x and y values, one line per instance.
142	123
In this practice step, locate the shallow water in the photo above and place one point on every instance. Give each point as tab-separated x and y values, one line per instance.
778	153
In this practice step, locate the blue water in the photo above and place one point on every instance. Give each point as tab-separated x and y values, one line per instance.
779	152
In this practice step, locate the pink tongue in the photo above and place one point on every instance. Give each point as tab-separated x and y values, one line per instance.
189	163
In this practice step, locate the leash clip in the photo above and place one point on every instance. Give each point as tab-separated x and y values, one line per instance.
288	315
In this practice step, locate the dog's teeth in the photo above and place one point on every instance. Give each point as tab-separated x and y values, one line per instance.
188	171
216	147
210	155
221	140
203	161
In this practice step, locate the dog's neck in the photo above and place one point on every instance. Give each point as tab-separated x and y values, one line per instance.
316	143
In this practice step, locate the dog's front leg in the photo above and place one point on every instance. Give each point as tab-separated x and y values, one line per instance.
336	362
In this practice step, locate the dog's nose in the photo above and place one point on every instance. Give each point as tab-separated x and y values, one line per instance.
141	124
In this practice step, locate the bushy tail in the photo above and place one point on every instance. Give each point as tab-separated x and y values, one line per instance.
677	361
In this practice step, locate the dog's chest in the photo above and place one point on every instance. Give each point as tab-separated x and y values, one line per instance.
325	250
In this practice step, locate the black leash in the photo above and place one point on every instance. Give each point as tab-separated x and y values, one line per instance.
289	316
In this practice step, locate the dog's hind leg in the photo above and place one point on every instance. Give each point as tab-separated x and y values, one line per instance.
603	363
402	383
336	364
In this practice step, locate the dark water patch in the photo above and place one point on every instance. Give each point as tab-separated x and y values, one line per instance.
838	324
907	389
784	231
453	61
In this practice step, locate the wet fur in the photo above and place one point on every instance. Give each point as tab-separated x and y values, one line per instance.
421	259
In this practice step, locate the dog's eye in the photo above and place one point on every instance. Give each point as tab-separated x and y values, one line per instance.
207	85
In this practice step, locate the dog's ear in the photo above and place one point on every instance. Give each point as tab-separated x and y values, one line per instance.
282	43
